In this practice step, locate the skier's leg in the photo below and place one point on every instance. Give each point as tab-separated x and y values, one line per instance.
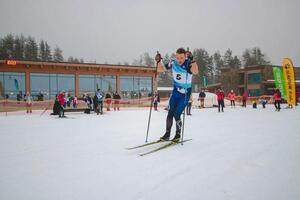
222	103
182	103
169	121
219	104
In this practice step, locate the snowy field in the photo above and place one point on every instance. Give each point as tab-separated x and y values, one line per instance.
242	154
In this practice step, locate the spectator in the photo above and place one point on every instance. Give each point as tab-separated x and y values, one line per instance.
117	99
231	97
202	96
244	99
108	101
220	96
29	100
156	100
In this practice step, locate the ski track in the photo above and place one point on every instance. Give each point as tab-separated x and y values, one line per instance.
240	154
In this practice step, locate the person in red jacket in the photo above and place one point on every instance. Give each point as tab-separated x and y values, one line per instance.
277	99
62	102
231	97
245	98
220	96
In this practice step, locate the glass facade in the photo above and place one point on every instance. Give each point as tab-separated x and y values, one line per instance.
12	85
90	83
134	87
45	86
254	92
254	78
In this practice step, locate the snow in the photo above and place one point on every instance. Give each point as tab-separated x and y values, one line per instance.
243	154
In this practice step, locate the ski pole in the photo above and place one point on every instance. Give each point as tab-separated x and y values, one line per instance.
190	57
157	59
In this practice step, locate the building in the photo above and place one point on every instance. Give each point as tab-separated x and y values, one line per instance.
49	78
256	80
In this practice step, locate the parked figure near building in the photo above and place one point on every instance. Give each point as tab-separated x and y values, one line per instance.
108	101
202	96
277	99
156	100
231	97
29	101
62	102
117	99
189	106
244	99
220	96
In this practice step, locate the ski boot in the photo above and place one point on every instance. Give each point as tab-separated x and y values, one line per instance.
178	131
165	137
176	138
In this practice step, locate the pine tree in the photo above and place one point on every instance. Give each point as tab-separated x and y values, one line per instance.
42	51
7	47
31	49
148	61
57	55
19	47
48	55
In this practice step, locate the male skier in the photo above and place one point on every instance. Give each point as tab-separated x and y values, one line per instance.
183	67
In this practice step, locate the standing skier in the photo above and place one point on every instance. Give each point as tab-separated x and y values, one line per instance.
202	96
62	103
277	99
156	100
231	97
220	97
182	69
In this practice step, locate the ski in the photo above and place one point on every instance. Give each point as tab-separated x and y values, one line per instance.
163	147
144	145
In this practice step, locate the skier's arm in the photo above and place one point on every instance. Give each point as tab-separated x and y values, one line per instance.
194	68
160	67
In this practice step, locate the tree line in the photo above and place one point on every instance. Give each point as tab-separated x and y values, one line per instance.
20	47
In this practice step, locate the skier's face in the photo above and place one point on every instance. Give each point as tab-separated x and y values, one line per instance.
180	58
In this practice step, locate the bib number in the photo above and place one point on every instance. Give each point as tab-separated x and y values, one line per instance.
178	76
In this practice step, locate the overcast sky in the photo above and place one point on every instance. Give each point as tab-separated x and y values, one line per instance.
121	30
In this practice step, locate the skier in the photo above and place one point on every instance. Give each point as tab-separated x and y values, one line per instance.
182	69
156	100
220	97
231	97
277	99
29	100
202	96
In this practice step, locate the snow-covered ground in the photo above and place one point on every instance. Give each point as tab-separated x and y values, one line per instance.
242	154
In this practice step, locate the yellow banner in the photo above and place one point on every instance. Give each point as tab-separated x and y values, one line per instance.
289	77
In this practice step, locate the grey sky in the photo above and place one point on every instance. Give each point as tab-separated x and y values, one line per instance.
121	30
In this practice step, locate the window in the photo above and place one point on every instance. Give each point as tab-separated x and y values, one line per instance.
254	92
12	85
49	85
254	78
90	83
40	86
133	87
